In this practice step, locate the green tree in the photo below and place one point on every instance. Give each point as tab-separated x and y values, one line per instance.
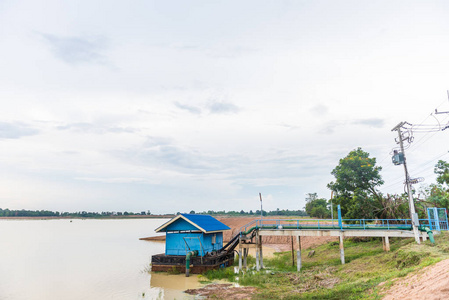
317	208
356	180
442	170
320	212
436	196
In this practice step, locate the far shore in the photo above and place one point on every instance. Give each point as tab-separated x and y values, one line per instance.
98	217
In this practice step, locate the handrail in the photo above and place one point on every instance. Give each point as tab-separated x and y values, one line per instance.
329	224
389	224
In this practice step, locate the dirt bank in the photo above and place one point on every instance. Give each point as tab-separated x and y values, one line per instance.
223	291
279	243
430	283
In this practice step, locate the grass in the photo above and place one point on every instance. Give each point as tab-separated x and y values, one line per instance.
324	277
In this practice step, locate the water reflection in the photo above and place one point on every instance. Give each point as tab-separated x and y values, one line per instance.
171	286
175	282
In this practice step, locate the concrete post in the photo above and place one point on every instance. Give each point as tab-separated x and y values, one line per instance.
424	237
257	253
342	250
257	260
261	254
387	243
298	254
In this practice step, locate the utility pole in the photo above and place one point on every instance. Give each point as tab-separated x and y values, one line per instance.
413	214
261	211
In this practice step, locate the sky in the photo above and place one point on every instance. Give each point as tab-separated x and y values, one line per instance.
172	106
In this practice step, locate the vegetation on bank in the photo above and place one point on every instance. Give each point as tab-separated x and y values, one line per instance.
323	277
81	214
104	214
242	213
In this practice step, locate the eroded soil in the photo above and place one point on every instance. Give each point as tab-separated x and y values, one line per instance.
430	283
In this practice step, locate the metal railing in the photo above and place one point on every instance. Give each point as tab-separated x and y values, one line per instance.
434	223
362	224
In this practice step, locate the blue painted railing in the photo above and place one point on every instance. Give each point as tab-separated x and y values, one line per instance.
361	224
341	224
384	224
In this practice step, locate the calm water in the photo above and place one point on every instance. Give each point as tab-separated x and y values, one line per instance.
83	259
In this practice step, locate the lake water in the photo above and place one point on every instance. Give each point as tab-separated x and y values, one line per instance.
84	259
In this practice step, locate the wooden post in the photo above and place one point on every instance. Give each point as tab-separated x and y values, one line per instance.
298	254
240	254
342	249
293	252
245	256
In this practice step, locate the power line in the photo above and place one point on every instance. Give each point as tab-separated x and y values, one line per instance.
420	168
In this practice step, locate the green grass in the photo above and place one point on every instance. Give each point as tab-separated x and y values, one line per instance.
324	277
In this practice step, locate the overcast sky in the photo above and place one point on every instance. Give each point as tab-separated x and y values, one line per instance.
200	105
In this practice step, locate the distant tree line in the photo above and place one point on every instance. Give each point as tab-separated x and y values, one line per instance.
28	213
86	214
277	212
80	214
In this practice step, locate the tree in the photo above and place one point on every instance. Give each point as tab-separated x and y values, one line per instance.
442	170
436	196
311	197
356	180
320	212
317	208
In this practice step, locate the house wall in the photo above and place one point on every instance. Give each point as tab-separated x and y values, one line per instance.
175	243
181	225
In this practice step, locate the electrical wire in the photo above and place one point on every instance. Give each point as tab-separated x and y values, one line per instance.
419	169
408	137
424	139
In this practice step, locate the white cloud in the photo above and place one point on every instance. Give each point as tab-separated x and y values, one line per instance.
209	105
77	50
16	130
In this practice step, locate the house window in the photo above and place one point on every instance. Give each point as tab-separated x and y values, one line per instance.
214	239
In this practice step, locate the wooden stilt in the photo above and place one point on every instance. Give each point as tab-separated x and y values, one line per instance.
245	258
293	252
240	255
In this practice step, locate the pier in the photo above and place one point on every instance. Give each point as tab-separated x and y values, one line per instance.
250	235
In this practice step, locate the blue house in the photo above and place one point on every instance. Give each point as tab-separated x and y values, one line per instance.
188	232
